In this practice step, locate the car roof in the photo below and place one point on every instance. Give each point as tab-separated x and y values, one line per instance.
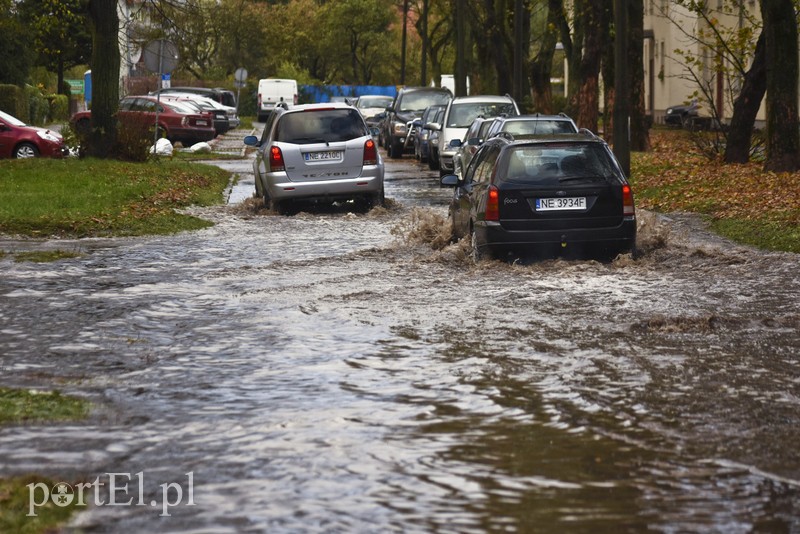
583	137
537	117
320	106
481	98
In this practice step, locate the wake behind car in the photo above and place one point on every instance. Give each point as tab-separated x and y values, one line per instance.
176	121
563	195
317	153
18	140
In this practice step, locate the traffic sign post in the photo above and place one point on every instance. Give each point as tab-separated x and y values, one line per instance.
239	79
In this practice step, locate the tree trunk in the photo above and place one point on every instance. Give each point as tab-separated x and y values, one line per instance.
542	65
746	107
589	94
105	76
640	132
783	136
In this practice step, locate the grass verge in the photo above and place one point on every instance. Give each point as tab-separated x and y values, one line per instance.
24	406
742	202
87	197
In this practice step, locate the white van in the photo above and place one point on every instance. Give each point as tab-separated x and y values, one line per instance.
272	91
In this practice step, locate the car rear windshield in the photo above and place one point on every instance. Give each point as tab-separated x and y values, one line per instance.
374	102
557	163
541	127
320	126
462	115
419	100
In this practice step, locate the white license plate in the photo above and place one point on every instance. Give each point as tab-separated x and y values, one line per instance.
566	203
325	155
202	123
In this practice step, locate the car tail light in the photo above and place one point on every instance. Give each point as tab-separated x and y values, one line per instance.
493	204
259	100
370	153
627	200
276	159
295	100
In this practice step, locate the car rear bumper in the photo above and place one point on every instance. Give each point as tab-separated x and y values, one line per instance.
498	240
281	188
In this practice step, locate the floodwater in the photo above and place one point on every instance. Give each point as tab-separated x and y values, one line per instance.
338	372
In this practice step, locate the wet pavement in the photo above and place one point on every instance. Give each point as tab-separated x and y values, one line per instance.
334	372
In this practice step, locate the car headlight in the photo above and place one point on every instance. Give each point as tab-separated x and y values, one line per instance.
48	136
399	128
669	111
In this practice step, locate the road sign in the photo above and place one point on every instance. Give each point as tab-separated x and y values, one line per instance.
160	56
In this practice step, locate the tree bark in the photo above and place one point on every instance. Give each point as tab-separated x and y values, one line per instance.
640	133
541	66
589	94
783	135
105	76
745	108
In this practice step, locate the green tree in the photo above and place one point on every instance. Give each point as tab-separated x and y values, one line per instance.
59	34
15	51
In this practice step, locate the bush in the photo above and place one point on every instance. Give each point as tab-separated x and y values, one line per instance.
13	101
134	138
38	106
59	108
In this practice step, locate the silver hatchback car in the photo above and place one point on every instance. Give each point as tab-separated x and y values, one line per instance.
317	153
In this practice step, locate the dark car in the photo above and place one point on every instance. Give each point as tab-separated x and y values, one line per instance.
682	115
544	197
176	121
408	105
422	132
18	140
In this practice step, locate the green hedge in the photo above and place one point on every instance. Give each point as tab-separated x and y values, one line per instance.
59	108
13	101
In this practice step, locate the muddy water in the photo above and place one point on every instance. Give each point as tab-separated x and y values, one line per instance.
332	372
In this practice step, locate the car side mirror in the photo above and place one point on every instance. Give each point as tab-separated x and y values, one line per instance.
435	126
475	141
251	140
417	123
375	132
455	143
450	180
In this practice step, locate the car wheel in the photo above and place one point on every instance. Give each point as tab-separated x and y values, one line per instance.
433	161
377	200
26	150
395	150
475	251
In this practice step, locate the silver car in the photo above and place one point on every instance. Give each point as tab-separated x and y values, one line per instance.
317	153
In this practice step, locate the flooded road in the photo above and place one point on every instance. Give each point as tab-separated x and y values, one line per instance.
334	372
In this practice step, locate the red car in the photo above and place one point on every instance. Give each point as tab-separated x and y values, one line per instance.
18	140
177	121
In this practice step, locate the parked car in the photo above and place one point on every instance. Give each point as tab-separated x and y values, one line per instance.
565	195
433	139
226	97
317	153
219	116
176	121
422	131
533	125
370	106
683	114
18	140
408	105
473	139
213	107
460	113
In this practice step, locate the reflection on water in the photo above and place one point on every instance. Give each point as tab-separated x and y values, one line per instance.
322	373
